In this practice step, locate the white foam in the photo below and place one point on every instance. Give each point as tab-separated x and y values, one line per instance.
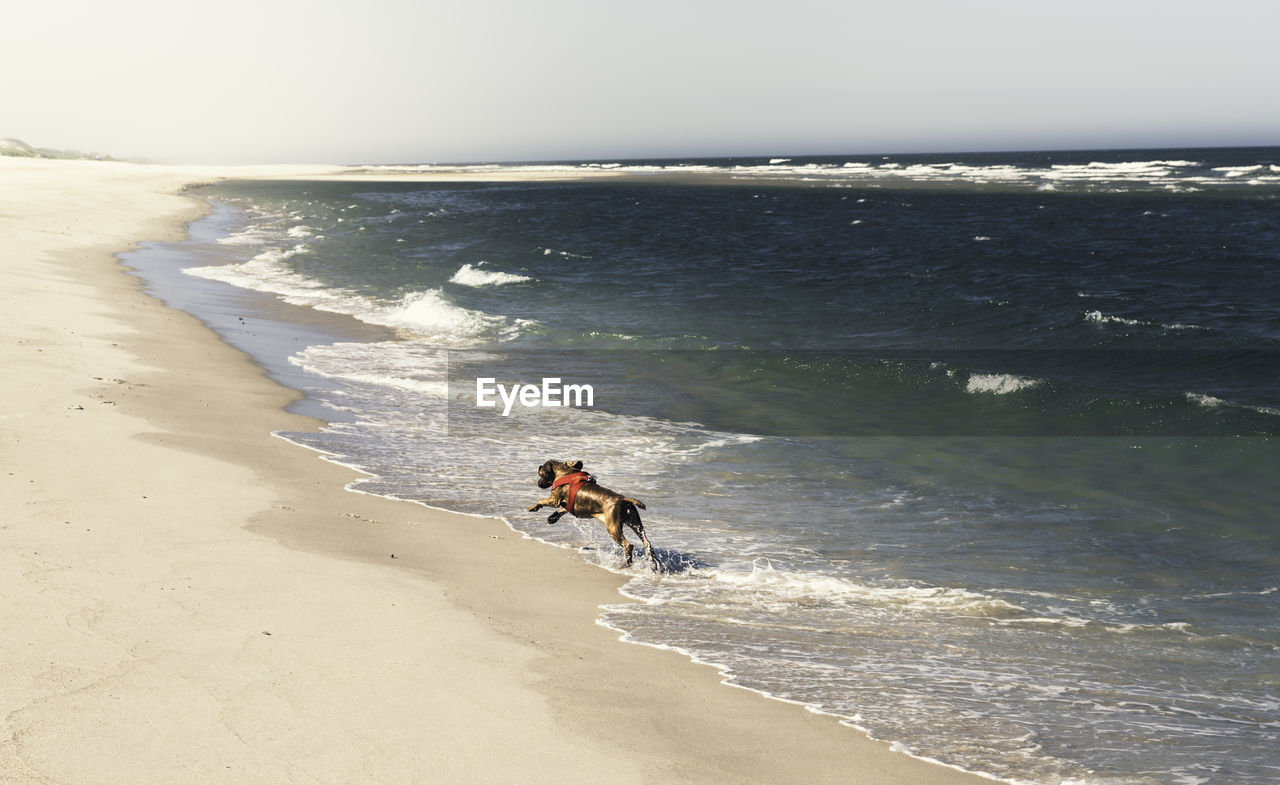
431	315
767	588
426	314
1098	317
1211	402
473	276
998	383
267	272
254	235
614	336
1238	171
1174	175
405	365
1207	401
565	254
1098	170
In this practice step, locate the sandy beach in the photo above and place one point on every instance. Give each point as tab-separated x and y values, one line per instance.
188	599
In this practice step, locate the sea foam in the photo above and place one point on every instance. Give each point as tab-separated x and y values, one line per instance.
430	314
426	314
468	275
1098	317
1172	175
998	383
406	365
764	586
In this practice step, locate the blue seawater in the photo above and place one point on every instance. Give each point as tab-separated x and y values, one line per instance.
975	452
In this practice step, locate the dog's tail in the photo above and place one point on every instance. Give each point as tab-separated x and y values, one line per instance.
636	502
630	516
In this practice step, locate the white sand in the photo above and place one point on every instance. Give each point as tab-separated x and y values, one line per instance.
187	599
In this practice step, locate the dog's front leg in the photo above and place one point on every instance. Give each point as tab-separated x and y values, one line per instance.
548	501
551	501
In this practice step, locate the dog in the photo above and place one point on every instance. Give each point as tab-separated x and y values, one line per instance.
574	491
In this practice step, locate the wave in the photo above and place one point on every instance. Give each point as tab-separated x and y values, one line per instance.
1098	317
1207	401
1238	171
1213	402
431	315
254	235
760	586
565	254
404	365
267	272
425	314
473	276
1171	175
998	383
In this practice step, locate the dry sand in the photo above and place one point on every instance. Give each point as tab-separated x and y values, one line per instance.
187	599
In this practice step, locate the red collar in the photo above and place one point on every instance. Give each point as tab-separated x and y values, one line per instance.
575	481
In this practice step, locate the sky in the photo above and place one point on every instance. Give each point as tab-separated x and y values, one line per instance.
417	81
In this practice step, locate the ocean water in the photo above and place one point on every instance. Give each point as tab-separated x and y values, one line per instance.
976	452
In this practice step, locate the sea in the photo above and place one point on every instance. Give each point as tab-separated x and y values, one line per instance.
975	452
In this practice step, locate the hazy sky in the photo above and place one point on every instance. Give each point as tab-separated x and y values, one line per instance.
438	80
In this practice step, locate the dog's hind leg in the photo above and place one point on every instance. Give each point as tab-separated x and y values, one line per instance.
632	518
614	525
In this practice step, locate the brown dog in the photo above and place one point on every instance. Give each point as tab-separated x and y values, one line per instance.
574	491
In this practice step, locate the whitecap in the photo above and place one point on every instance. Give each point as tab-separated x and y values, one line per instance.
430	314
998	383
266	272
1237	171
467	275
252	236
425	314
565	254
1207	401
1098	317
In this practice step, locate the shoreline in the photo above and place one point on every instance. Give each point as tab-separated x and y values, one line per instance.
199	601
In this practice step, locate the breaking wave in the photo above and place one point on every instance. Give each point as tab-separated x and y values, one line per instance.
425	314
468	275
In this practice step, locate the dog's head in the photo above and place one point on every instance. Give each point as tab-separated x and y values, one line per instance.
549	471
